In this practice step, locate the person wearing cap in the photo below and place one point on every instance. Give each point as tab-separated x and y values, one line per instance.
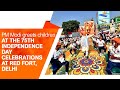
114	55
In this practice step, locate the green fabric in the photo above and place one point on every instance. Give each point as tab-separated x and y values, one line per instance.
77	52
61	70
116	70
106	57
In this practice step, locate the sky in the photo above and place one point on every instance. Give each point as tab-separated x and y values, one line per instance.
81	16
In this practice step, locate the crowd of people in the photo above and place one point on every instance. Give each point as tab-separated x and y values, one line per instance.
76	44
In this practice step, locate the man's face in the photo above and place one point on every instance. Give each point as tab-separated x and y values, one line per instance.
100	38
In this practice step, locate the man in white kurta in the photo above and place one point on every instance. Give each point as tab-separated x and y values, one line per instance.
85	44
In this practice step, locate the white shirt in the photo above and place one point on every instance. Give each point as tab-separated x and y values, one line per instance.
108	38
115	52
72	45
78	42
100	43
74	39
61	59
84	41
56	54
65	43
113	29
94	39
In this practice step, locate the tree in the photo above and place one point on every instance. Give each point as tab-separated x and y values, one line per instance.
99	27
70	26
116	17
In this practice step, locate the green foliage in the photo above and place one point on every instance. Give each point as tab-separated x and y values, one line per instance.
98	27
70	26
116	17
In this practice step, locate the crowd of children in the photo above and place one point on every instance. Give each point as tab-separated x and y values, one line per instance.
81	43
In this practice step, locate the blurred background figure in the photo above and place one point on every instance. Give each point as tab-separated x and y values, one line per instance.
101	45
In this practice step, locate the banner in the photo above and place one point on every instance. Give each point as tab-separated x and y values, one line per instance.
103	17
58	45
24	51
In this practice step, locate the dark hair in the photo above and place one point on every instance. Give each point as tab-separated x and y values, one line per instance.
58	47
64	55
